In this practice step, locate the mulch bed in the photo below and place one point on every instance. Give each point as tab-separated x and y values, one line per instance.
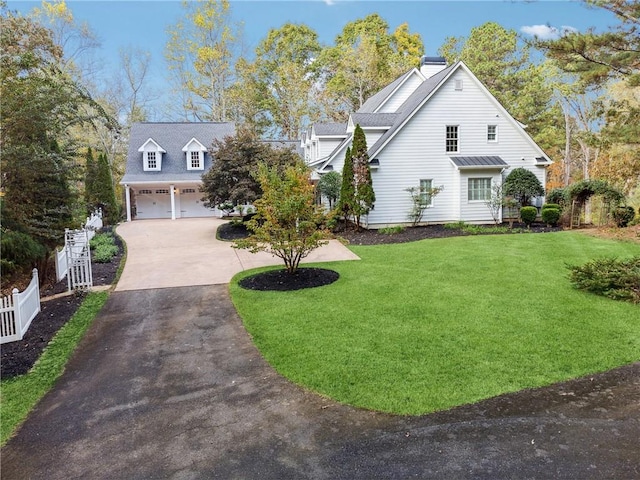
17	358
281	280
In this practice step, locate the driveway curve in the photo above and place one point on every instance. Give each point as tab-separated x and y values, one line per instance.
168	385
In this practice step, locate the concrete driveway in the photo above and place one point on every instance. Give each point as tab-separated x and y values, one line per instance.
185	252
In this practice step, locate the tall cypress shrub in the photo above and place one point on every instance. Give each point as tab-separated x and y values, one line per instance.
347	191
364	197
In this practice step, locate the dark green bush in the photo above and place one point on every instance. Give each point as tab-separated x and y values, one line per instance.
550	216
551	205
392	230
617	279
623	216
528	215
557	196
19	251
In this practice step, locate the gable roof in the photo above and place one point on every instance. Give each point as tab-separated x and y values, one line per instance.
412	104
151	140
373	103
425	91
330	129
173	136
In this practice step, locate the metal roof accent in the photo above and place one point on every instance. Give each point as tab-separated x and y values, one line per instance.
482	161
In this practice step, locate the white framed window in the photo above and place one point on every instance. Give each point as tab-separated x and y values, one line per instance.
162	191
479	189
451	139
458	84
151	161
145	192
188	190
492	133
425	192
195	160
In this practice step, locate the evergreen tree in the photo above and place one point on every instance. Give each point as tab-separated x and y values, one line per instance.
90	180
347	191
364	196
104	191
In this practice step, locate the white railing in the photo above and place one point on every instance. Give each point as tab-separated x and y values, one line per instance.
18	310
93	223
62	265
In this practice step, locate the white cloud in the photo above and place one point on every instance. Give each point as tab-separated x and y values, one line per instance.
547	32
330	2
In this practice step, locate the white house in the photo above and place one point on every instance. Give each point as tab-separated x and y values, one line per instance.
165	163
437	126
164	167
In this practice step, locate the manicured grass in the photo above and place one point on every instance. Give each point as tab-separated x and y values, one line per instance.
20	394
424	326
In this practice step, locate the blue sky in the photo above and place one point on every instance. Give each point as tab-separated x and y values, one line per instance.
143	24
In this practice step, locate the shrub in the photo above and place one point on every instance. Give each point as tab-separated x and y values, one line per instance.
528	215
104	253
557	196
623	216
19	251
392	230
522	185
617	279
550	216
103	247
551	205
454	225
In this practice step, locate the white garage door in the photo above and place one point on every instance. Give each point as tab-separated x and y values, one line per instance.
153	203
191	204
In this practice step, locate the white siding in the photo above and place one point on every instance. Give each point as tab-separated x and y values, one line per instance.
399	96
327	145
418	152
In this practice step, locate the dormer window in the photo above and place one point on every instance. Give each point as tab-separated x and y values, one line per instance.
194	155
151	156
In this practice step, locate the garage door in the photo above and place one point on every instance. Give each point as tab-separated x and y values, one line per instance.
153	203
191	204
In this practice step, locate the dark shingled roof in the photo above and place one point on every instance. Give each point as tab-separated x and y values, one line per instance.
483	161
322	129
172	136
374	119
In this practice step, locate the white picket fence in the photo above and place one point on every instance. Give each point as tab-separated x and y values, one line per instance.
74	260
18	310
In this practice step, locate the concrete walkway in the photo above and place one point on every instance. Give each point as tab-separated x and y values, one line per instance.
185	252
167	384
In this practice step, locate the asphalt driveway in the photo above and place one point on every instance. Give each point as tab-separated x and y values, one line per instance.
167	384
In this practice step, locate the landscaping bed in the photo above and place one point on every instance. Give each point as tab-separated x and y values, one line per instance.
17	358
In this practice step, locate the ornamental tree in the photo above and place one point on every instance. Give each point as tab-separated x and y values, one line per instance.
522	185
347	190
329	185
287	223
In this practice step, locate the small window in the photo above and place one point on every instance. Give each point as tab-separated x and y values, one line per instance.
195	160
163	191
425	192
458	84
492	133
452	139
145	192
188	190
152	162
479	189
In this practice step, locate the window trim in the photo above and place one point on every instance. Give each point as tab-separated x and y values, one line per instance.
148	161
424	194
495	133
486	189
191	160
452	134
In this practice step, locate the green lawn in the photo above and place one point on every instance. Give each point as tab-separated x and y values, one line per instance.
20	394
419	327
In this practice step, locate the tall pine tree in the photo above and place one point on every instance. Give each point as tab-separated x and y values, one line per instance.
90	175
105	193
364	197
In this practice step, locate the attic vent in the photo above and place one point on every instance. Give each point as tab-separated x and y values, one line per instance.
458	85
